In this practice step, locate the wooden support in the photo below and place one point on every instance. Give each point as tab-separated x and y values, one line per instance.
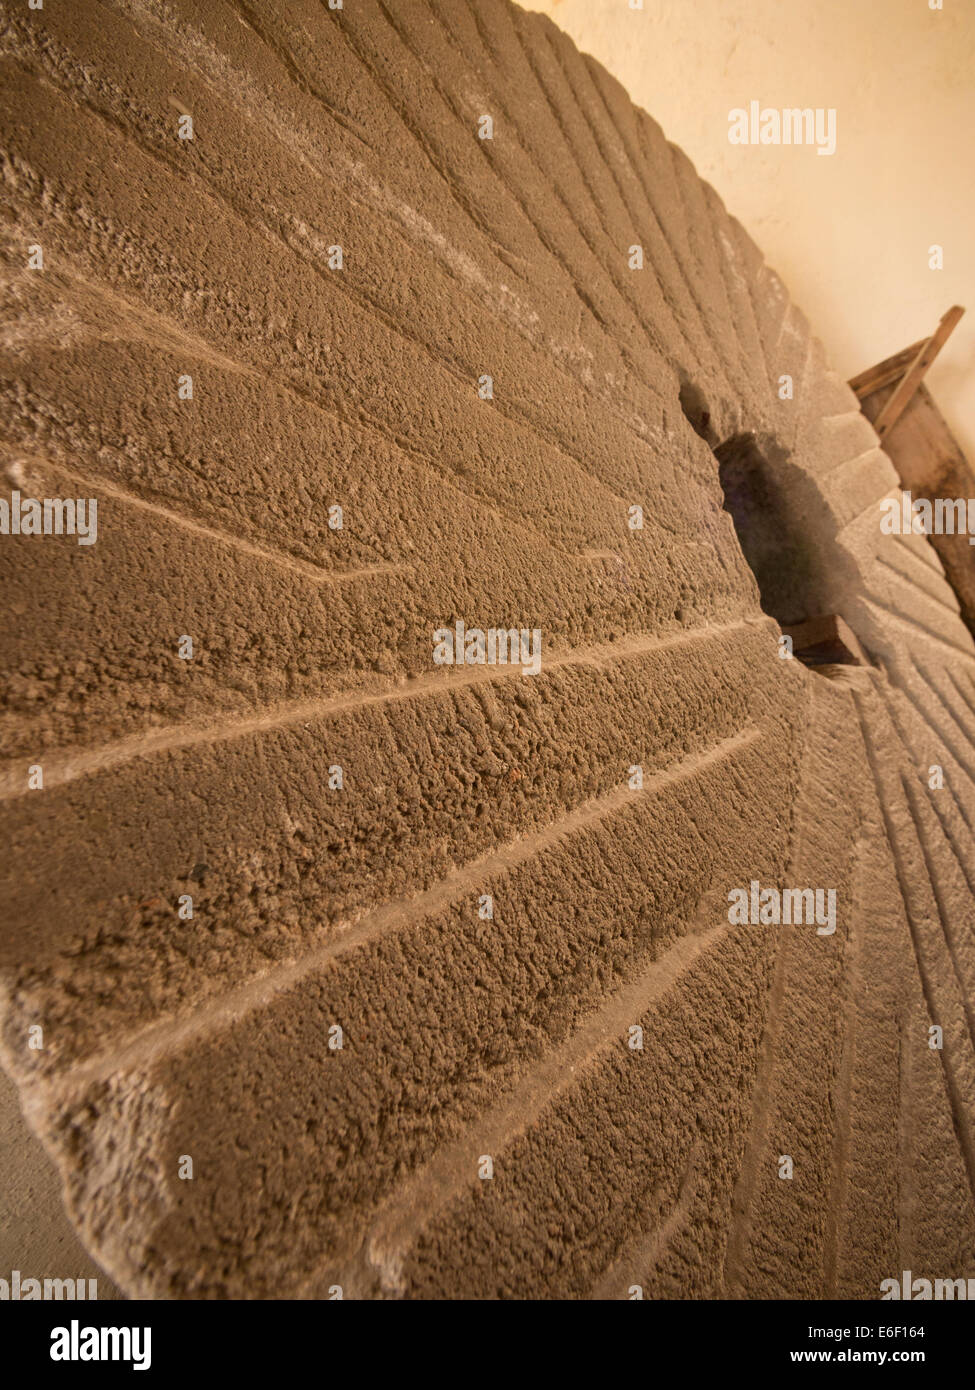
930	464
891	369
909	366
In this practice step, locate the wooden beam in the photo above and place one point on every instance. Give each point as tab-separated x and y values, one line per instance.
889	370
914	375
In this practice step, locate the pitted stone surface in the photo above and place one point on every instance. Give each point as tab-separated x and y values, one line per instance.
318	907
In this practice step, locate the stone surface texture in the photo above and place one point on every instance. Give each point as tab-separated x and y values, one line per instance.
315	1166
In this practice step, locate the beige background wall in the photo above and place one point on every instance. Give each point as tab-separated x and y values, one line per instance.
849	233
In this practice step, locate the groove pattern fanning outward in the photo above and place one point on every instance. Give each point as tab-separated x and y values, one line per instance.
324	964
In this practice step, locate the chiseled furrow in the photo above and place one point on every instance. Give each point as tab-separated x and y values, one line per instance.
643	1254
420	1057
455	41
184	458
445	425
66	764
915	590
580	342
185	452
67	479
290	193
327	281
465	162
931	759
921	549
945	1003
424	105
790	357
935	1208
962	688
921	578
951	890
926	607
275	856
829	416
942	713
386	161
390	918
768	303
427	109
611	1149
575	128
907	1204
100	659
337	809
857	481
880	1169
784	1228
773	305
938	634
314	355
573	201
710	278
949	696
580	127
627	141
958	832
663	191
737	287
873	1213
424	1199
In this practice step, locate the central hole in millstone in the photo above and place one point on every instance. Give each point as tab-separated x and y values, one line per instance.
779	551
787	538
768	520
